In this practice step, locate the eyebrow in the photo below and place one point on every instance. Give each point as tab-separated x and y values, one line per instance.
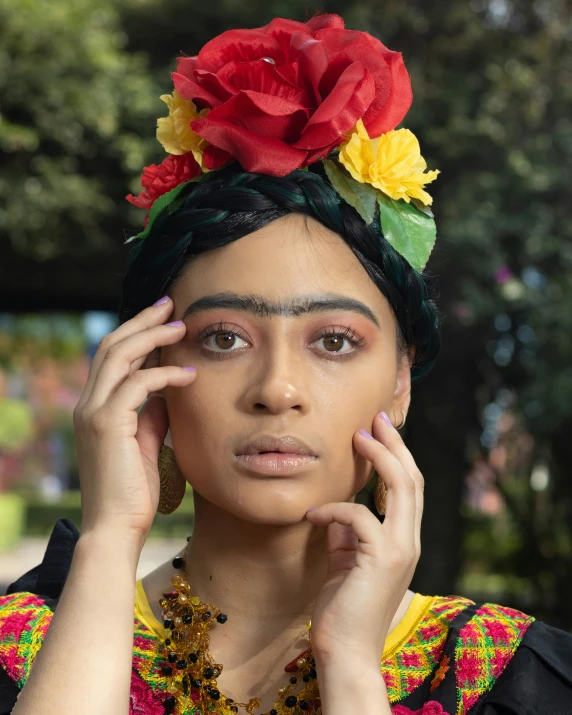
261	307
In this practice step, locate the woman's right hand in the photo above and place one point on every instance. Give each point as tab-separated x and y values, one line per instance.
118	448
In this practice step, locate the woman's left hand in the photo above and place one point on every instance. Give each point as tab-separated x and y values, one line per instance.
370	564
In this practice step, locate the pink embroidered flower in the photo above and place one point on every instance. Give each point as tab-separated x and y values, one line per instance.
15	623
13	663
469	669
499	632
430	632
411	660
430	708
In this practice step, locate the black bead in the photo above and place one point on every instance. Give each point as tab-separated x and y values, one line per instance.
293	680
193	657
167	641
313	674
166	670
187	618
172	657
215	695
181	664
170	702
234	708
196	683
306	678
178	562
273	712
168	623
222	618
206	615
304	704
290	701
208	673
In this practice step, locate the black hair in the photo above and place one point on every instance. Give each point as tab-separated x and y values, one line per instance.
230	203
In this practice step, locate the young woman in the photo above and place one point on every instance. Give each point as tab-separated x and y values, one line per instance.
274	317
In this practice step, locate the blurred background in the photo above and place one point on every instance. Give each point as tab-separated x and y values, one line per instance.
491	427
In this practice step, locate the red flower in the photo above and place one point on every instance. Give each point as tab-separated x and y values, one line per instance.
281	96
158	180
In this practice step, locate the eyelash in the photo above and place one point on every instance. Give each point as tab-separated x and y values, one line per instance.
345	332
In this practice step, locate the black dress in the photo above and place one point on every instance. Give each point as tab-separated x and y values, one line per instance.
451	656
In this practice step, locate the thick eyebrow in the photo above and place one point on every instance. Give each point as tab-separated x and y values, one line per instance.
261	307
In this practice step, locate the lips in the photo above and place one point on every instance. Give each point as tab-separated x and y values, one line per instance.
287	444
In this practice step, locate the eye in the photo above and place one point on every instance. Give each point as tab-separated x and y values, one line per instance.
224	338
334	339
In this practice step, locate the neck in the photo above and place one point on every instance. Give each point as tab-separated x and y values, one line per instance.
248	569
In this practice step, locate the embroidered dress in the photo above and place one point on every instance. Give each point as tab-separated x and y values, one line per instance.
448	655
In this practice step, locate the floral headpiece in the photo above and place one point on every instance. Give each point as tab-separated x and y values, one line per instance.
281	97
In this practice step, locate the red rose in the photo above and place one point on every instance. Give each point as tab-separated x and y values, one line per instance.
281	96
157	180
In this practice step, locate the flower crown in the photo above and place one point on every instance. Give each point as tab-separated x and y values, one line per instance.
281	97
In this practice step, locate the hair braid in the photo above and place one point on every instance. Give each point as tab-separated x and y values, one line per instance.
230	203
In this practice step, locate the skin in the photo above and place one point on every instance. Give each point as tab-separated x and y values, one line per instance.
256	553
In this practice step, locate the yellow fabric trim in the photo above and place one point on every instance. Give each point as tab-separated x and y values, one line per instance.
415	612
144	613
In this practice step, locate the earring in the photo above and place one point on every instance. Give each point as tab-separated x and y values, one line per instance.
380	495
403	422
172	483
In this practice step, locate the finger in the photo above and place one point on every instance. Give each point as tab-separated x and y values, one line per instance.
124	358
152	426
147	318
135	390
358	517
342	546
386	433
401	499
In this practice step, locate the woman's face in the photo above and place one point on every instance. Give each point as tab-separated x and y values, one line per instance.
279	360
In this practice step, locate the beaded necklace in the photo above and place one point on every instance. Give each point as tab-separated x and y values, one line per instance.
193	672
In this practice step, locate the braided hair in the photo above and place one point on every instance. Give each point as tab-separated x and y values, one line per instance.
231	203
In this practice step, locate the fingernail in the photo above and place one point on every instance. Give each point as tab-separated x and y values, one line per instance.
385	418
312	508
190	369
161	301
175	324
365	434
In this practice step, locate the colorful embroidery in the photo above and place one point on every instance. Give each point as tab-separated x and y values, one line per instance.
24	620
413	660
484	647
431	708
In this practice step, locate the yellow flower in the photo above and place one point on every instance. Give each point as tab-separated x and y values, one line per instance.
391	163
174	132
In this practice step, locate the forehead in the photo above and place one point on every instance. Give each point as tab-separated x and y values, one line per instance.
287	258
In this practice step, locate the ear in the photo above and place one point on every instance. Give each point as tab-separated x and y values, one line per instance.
402	393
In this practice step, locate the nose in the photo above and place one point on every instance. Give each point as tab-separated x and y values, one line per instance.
278	382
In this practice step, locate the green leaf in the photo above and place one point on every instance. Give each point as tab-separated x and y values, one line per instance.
420	206
411	232
361	196
158	206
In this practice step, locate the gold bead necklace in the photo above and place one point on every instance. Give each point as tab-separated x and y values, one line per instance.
192	671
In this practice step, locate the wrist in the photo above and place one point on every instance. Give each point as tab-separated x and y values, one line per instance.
353	686
113	544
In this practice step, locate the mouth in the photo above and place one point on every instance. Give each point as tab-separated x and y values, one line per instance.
275	462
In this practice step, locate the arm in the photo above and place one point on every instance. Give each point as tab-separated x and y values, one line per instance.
84	664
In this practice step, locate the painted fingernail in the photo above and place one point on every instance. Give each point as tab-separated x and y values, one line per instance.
190	369
385	418
175	324
365	434
312	508
161	301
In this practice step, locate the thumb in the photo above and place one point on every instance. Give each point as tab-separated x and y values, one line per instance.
152	426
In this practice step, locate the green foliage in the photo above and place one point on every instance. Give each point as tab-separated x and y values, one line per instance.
73	104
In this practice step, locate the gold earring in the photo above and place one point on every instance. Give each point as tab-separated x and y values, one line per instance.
380	495
172	483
